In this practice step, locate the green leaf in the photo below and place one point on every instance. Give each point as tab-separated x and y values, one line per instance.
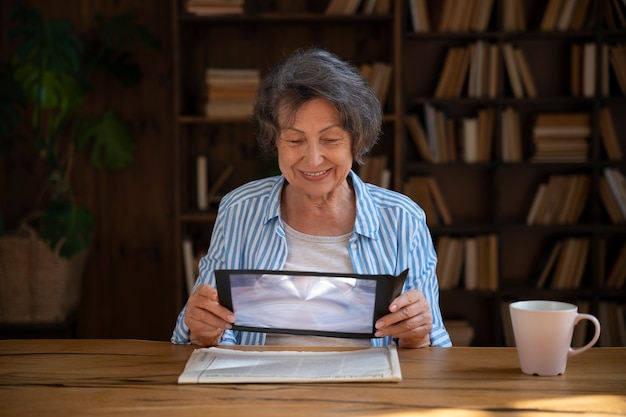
109	141
68	225
50	46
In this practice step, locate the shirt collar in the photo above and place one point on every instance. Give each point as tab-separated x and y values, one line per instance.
366	222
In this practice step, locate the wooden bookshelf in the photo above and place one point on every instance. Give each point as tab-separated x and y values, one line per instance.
489	178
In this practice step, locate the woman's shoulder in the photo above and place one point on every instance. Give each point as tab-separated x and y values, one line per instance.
262	188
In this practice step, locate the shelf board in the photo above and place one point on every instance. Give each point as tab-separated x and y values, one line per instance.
198	216
289	18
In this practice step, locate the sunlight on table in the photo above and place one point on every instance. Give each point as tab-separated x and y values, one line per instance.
598	405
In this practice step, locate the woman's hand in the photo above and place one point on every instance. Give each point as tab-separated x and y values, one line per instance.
409	320
205	317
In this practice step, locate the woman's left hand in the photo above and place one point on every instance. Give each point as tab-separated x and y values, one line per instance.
409	320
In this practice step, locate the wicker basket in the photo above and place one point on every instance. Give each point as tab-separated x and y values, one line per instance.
37	285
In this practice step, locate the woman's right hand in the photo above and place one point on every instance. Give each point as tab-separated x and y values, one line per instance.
205	317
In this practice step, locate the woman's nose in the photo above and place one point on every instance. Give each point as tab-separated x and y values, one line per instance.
314	154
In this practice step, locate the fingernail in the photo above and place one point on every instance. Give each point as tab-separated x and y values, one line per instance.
378	334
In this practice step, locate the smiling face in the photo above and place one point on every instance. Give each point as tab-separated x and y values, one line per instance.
314	151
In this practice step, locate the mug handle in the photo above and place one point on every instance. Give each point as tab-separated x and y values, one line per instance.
596	324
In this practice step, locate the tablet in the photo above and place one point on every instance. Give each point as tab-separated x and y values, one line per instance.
307	303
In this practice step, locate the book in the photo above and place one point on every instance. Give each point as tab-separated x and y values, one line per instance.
511	136
609	202
439	201
559	137
201	182
494	71
609	135
483	15
461	332
576	70
524	71
454	72
374	170
230	92
551	15
217	365
417	133
471	272
416	187
342	7
589	52
566	15
188	264
616	277
219	183
617	185
470	139
512	70
214	7
420	17
450	255
548	265
560	200
486	124
580	15
617	58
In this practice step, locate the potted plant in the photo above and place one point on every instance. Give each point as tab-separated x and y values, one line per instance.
43	91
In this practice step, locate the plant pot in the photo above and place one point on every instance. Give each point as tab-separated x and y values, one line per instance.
37	285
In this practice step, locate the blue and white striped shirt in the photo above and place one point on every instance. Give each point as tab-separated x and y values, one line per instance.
390	235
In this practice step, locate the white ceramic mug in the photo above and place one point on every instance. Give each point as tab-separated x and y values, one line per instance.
543	335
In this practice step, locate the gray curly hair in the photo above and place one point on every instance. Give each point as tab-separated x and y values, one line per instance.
316	73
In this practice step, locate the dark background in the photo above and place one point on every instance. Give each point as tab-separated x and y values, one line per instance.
128	284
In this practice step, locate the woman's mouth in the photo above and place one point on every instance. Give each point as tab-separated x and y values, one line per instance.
316	173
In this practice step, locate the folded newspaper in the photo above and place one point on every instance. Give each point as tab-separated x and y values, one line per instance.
223	365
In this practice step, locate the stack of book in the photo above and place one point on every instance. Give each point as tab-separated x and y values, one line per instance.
564	15
231	92
438	142
513	17
214	7
464	16
560	200
350	7
473	69
425	191
612	316
565	265
561	137
471	261
519	74
441	134
477	136
375	171
583	70
378	75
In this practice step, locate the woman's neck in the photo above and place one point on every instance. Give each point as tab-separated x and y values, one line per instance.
330	216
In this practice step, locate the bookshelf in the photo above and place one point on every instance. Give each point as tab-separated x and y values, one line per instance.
489	174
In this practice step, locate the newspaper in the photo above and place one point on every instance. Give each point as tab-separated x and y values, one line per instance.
221	365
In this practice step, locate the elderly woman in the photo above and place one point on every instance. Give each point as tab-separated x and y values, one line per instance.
318	115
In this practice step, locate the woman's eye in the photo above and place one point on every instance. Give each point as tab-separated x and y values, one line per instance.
332	140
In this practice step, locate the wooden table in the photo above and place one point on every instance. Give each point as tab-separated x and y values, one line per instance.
136	378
